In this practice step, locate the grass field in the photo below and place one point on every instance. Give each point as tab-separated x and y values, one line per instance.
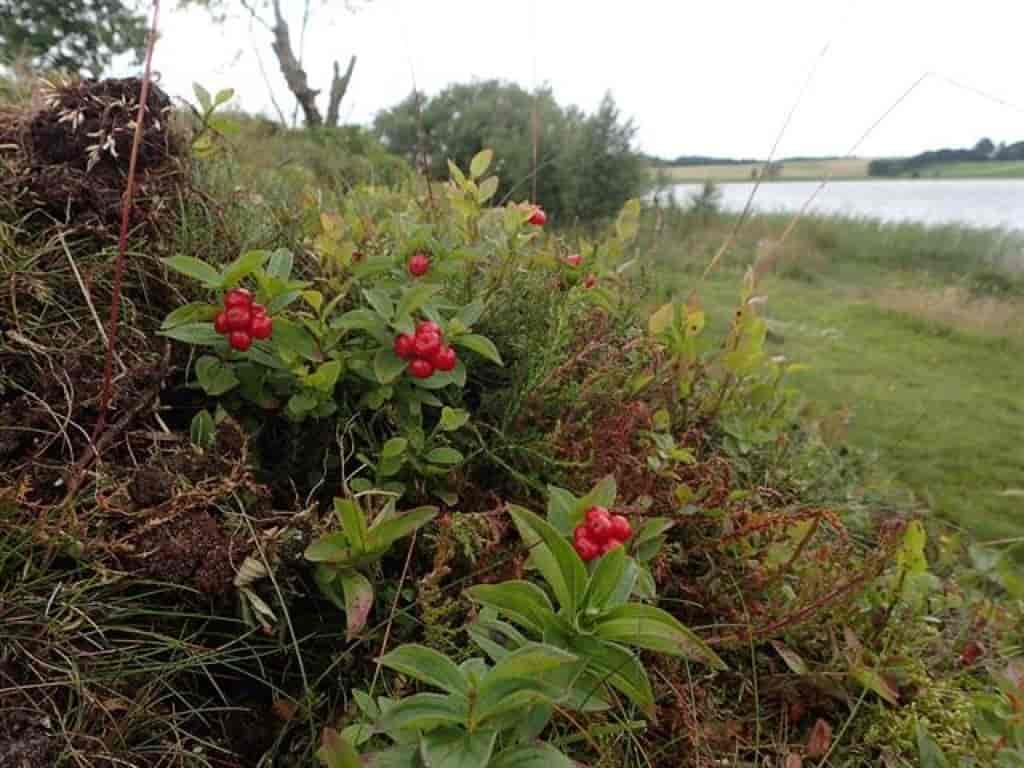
909	335
854	168
997	170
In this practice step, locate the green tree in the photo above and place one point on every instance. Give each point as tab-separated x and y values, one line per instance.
586	167
73	35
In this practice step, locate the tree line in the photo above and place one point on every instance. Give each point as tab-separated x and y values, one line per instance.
982	152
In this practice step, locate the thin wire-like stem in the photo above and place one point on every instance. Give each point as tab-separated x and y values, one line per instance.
127	204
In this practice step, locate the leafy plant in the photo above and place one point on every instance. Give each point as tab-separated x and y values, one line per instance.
342	557
594	619
487	716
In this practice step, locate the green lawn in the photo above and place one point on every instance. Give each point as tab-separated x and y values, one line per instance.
993	170
936	399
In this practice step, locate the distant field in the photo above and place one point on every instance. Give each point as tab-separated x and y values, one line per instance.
841	169
794	171
995	170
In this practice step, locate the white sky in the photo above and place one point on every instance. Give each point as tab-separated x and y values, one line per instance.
713	77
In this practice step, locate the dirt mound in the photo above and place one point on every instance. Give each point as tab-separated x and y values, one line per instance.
67	161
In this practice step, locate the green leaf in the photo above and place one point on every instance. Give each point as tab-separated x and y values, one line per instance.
296	339
445	455
383	533
557	561
223	97
424	711
480	163
488	187
601	495
427	666
405	756
928	750
196	312
381	303
202	429
522	601
353	522
456	174
196	269
617	666
325	378
388	366
606	578
200	334
646	626
453	419
873	681
332	548
336	752
481	345
661	320
457	748
562	510
530	661
470	314
203	96
243	266
215	377
414	298
531	756
281	263
394	447
628	224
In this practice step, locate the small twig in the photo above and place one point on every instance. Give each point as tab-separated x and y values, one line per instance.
122	244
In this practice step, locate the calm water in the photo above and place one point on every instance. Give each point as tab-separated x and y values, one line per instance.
978	203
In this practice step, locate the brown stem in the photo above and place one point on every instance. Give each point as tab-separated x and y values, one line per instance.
339	87
127	203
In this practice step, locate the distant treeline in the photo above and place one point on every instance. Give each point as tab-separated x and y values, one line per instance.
984	151
684	161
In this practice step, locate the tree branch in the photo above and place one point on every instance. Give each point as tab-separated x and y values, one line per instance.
294	75
339	87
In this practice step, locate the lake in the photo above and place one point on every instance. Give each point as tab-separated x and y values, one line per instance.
973	202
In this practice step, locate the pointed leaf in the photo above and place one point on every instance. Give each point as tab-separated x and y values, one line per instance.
353	522
617	666
481	345
488	187
557	561
337	752
606	579
522	601
531	756
646	626
423	712
457	748
243	266
480	163
384	533
428	666
415	297
531	660
387	366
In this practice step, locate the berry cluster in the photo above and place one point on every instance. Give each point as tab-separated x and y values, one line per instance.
425	351
243	320
600	533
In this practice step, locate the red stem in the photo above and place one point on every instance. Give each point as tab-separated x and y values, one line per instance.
127	204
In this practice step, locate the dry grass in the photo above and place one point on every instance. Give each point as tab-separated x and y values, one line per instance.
956	307
852	168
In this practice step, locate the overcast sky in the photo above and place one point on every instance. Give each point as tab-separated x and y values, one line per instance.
710	77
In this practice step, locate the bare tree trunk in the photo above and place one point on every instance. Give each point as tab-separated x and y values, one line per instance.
294	75
339	86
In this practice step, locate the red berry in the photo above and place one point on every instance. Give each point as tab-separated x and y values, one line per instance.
574	260
419	263
538	218
589	281
404	346
240	340
600	529
580	532
421	369
609	545
428	326
221	323
258	309
238	319
262	326
595	513
621	529
445	359
586	549
237	297
427	345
